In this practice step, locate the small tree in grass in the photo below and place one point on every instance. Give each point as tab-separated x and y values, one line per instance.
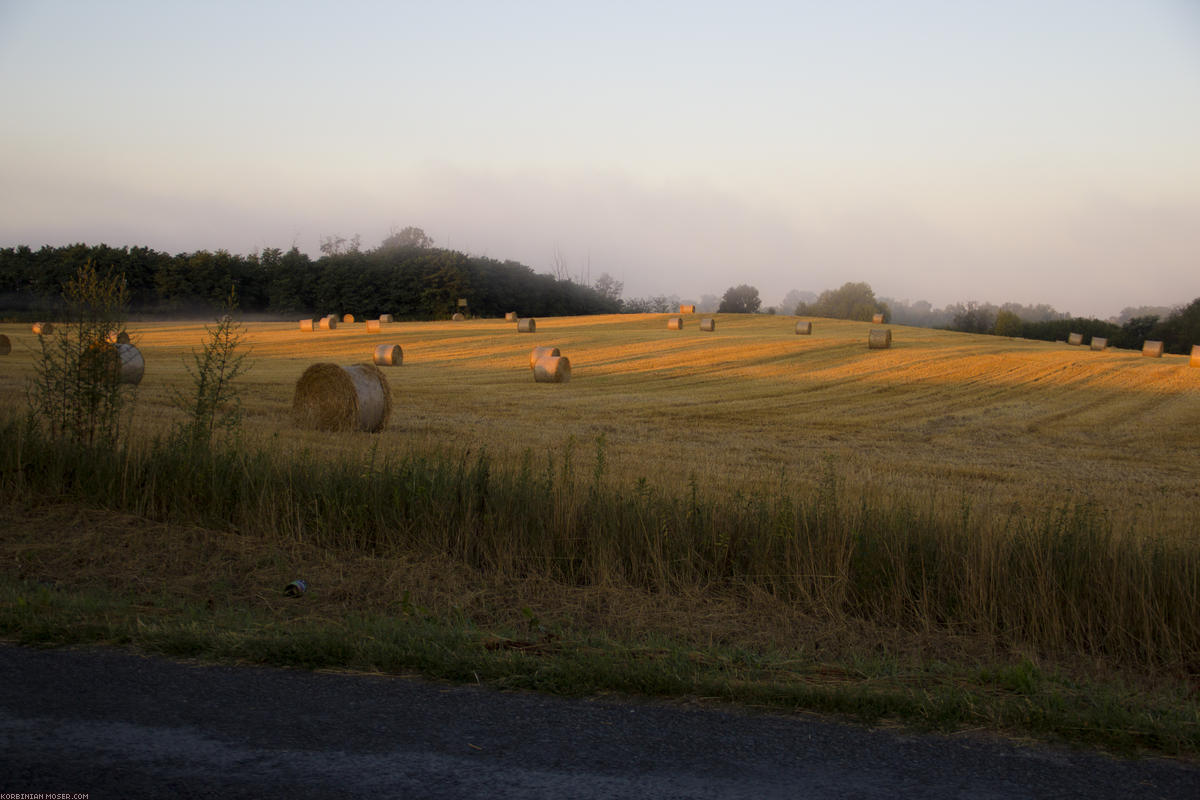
214	403
76	390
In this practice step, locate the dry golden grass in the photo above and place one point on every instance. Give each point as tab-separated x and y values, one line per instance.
999	421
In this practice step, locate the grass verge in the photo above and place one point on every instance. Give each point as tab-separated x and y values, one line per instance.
72	575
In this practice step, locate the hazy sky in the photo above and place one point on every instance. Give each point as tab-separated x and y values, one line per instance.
1034	151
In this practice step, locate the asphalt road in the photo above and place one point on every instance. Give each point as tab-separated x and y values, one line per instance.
113	724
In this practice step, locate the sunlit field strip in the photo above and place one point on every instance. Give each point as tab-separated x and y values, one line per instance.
994	420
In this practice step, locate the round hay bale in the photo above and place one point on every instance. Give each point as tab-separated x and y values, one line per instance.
1195	360
389	355
308	325
43	328
552	369
374	326
804	328
118	337
100	360
510	316
879	339
458	317
526	325
687	309
675	324
348	319
133	366
1099	343
1152	349
5	345
1075	338
541	352
328	323
708	324
386	319
351	398
877	319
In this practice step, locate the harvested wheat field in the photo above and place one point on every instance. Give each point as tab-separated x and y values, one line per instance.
1004	424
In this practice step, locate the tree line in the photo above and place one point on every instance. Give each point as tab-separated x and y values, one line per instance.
405	276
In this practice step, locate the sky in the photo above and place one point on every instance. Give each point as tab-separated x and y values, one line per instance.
1034	151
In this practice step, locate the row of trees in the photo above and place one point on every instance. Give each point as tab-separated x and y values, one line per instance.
405	276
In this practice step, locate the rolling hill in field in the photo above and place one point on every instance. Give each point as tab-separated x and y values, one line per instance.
964	418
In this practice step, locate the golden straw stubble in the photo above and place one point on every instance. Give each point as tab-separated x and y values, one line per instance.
552	369
329	397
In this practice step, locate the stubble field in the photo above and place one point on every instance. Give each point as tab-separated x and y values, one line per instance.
1003	425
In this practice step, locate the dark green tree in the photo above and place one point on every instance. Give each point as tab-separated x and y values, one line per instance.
742	299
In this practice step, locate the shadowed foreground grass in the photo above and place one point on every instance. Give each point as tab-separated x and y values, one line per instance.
558	577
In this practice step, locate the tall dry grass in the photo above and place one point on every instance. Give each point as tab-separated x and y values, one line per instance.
1059	580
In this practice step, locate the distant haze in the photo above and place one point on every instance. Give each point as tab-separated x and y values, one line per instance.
1036	152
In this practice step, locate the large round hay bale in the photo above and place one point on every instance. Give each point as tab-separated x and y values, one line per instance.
118	337
804	328
351	398
1195	360
510	316
675	324
386	319
708	324
1075	338
552	369
541	352
526	325
1099	343
458	317
348	319
328	323
133	366
374	326
5	345
308	325
1152	349
389	355
877	319
687	309
43	328
879	339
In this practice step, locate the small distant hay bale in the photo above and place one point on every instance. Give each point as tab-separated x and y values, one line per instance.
1075	338
675	324
386	319
389	355
526	325
877	319
879	339
804	328
1195	360
118	337
328	323
708	324
510	316
687	309
43	328
374	326
458	317
308	325
101	360
5	345
541	352
1152	349
333	398
552	369
1099	343
348	319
